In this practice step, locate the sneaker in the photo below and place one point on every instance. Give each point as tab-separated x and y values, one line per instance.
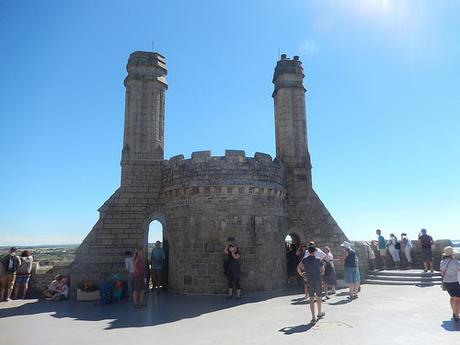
455	317
321	315
229	296
313	321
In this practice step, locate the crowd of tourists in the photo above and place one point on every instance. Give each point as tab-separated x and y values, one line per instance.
396	247
15	274
316	268
139	273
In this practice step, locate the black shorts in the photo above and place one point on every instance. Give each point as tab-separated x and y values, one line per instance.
427	255
453	289
314	287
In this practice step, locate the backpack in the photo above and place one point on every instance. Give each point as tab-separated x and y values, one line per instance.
10	261
106	293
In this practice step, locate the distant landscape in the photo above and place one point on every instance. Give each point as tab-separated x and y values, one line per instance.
47	255
50	254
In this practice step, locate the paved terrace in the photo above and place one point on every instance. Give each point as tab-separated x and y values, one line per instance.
382	315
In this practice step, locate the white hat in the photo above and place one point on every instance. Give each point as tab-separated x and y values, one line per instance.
346	245
448	251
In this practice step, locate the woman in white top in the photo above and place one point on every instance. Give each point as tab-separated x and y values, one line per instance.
393	247
330	280
23	275
450	272
406	247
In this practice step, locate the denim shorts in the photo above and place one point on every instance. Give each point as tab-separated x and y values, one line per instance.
22	279
351	275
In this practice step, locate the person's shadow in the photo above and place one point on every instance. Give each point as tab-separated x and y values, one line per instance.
289	330
342	301
451	326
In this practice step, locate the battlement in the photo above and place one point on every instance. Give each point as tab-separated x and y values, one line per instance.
203	169
233	156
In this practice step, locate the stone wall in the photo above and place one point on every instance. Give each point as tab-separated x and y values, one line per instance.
209	199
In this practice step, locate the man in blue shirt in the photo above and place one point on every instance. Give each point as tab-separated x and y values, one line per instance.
157	260
382	246
311	268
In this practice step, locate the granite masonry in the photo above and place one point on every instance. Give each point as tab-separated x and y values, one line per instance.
204	200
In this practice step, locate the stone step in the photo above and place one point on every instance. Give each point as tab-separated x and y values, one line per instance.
405	273
404	278
396	282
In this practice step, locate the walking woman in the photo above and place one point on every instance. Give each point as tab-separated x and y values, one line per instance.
138	279
330	280
450	272
351	273
233	271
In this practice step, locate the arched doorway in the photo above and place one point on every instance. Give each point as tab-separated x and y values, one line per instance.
158	262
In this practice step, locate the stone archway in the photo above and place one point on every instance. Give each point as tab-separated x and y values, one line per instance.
158	220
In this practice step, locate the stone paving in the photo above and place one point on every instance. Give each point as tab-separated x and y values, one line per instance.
381	315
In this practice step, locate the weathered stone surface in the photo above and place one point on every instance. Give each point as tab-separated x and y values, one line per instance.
204	200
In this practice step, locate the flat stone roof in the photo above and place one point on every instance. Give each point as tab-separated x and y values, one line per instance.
381	315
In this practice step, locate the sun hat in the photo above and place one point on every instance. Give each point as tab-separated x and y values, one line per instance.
448	251
346	245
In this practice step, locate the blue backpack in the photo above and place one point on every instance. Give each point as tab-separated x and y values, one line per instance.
106	292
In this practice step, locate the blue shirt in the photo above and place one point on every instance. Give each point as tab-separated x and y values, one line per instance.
382	244
158	257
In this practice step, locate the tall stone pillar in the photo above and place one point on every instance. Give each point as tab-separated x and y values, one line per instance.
291	138
305	213
146	85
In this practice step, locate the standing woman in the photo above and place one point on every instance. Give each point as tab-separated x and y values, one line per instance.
393	247
450	272
23	274
138	279
330	280
234	271
406	247
351	273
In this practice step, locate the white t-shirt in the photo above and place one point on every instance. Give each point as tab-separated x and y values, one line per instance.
319	254
129	263
406	240
453	270
329	257
64	291
391	243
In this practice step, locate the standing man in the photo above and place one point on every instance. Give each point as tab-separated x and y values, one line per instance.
129	264
311	269
157	260
10	266
426	241
382	246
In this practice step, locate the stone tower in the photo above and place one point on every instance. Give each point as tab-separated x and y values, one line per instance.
125	216
204	200
305	215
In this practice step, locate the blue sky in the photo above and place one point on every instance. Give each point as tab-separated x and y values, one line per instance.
383	103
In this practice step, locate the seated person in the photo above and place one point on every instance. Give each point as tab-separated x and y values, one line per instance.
57	290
